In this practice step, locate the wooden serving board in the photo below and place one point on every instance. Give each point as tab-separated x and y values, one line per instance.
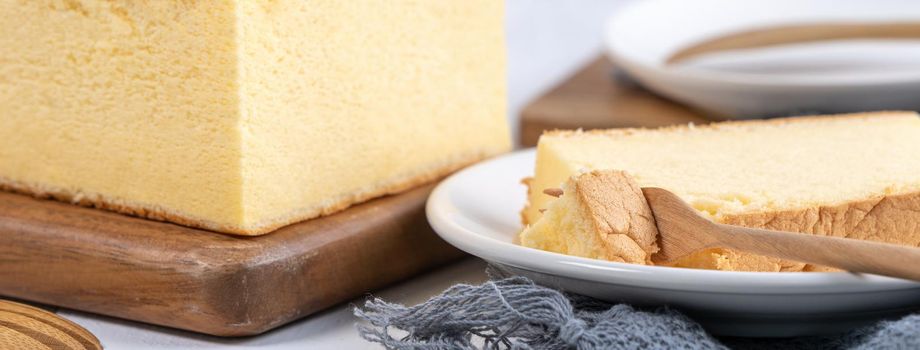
600	96
175	276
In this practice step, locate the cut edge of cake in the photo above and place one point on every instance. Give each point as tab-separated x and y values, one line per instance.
887	218
159	213
600	214
529	181
620	225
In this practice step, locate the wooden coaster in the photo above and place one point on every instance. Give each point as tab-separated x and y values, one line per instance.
26	327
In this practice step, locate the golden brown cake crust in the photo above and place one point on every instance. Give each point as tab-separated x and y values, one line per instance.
154	212
619	214
890	219
732	123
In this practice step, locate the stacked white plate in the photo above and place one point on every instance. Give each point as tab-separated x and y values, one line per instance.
826	77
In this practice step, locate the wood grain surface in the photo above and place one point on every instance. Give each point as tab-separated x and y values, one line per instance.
599	96
26	327
170	275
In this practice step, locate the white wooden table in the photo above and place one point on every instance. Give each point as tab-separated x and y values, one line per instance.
547	40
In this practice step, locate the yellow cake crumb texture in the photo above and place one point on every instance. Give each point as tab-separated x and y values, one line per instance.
243	116
854	176
600	215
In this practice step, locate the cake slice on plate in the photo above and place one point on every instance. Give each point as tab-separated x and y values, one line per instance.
598	214
855	176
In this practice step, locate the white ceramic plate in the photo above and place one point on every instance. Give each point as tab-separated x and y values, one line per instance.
832	76
477	209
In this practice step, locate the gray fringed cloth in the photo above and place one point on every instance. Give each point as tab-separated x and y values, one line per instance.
514	313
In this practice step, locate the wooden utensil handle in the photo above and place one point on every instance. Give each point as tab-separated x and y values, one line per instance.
844	253
762	37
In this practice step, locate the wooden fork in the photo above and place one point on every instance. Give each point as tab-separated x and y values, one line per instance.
682	231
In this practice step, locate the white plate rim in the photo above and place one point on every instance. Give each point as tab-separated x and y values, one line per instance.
616	52
444	216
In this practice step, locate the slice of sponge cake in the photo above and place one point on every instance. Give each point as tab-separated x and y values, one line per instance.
854	176
242	116
599	214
